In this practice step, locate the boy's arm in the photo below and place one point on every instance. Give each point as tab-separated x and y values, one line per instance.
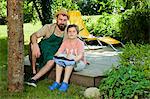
79	52
79	57
61	49
57	53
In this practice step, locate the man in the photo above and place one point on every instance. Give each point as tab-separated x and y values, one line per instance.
43	52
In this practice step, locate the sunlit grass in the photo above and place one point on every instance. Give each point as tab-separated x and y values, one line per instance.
29	28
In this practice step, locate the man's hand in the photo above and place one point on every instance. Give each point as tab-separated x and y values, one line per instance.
35	50
34	71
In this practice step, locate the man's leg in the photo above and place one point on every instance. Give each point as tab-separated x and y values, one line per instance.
32	60
33	63
44	70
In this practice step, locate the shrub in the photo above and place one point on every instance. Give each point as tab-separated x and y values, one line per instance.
134	25
131	78
29	12
3	20
89	7
106	25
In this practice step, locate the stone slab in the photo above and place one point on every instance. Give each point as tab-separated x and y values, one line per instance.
100	61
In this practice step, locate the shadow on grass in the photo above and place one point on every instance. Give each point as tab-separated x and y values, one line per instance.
3	63
3	51
41	92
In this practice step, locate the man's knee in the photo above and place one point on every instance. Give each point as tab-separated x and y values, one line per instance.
50	63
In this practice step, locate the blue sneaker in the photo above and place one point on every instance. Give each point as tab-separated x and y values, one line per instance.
64	86
54	86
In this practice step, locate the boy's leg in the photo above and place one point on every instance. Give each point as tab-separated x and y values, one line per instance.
68	71
44	69
56	84
59	70
64	85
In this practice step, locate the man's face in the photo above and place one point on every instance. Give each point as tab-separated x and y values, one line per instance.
62	22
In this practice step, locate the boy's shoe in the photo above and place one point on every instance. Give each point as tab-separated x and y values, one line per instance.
31	82
54	86
64	86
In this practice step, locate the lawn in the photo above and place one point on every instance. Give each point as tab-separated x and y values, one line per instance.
40	92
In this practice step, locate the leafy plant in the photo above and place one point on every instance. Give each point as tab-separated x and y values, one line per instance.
68	4
131	78
89	7
106	25
134	25
2	8
29	12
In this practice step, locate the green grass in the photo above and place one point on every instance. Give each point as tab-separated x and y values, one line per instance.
41	92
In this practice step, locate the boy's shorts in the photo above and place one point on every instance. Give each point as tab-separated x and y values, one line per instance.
80	65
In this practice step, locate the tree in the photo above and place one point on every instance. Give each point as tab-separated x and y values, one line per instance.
15	45
43	8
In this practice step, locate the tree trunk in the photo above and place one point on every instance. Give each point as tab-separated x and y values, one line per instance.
37	10
15	45
46	11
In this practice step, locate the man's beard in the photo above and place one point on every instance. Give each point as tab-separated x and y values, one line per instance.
61	26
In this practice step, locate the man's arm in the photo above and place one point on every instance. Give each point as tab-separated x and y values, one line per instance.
34	45
34	40
35	50
34	37
41	33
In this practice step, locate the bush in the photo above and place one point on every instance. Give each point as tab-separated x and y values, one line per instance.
106	25
131	78
135	24
89	7
3	20
29	12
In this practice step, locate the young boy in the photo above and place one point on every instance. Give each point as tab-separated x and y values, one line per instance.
72	48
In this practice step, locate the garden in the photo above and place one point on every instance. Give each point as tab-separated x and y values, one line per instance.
125	20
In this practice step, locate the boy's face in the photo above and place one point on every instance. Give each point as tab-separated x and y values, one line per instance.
72	33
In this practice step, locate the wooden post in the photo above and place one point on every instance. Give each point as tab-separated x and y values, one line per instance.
15	45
